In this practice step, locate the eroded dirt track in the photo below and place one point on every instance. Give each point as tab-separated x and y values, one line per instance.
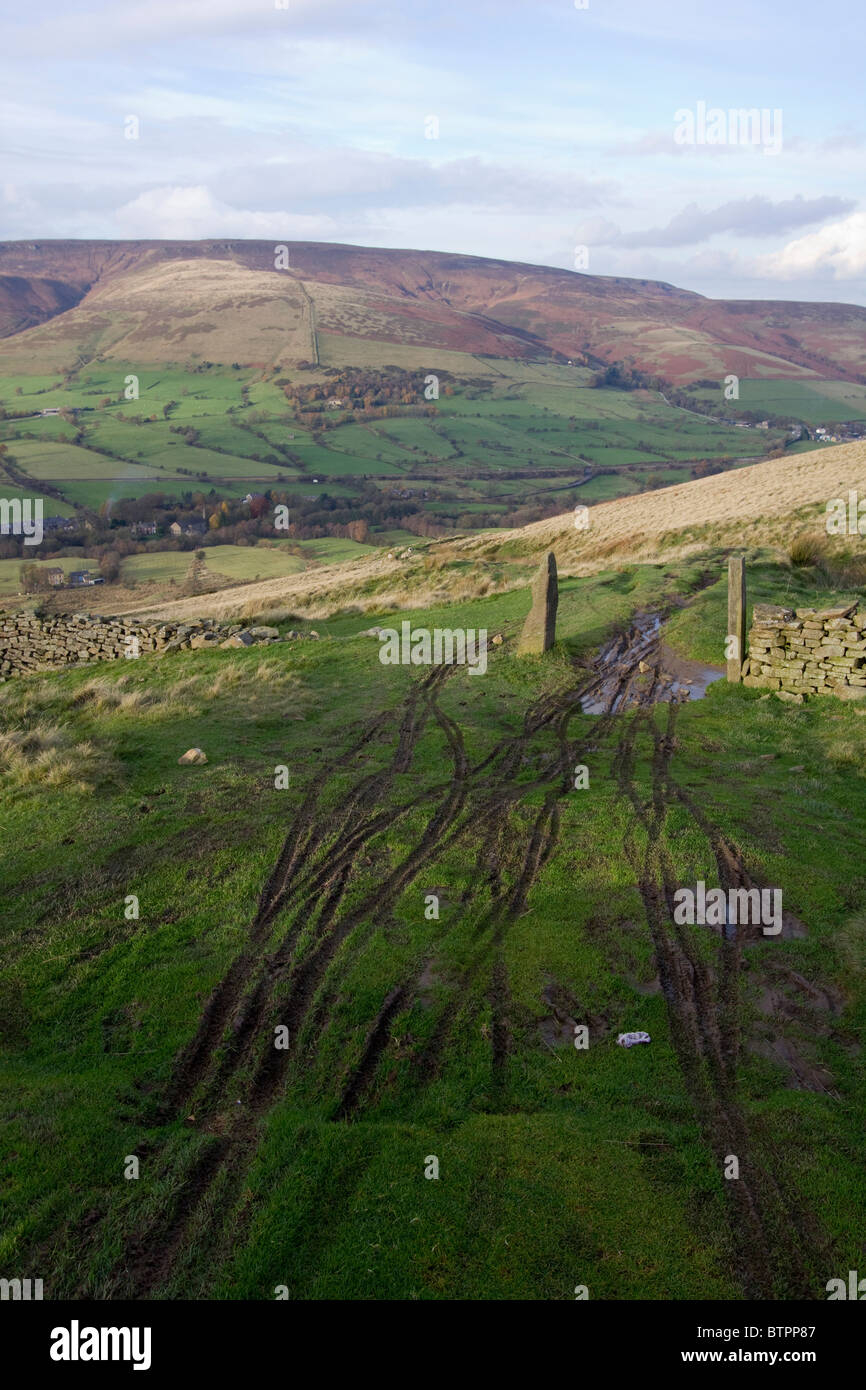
317	913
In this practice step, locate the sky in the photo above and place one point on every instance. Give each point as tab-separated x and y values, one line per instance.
602	138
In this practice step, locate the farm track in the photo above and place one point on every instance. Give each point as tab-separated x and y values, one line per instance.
293	980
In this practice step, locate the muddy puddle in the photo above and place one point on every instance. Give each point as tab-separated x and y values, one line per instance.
638	668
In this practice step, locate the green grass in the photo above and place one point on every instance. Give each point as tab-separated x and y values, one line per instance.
50	461
816	402
558	1168
10	569
240	562
532	417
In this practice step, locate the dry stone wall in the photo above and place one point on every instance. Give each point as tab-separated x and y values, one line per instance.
30	643
807	651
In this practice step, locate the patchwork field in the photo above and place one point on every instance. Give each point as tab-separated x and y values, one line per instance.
532	431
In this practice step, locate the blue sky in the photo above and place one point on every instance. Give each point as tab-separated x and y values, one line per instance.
553	128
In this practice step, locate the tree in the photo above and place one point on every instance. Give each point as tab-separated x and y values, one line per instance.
32	579
109	566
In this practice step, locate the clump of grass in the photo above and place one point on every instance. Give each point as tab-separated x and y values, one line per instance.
267	617
44	754
19	699
808	548
105	695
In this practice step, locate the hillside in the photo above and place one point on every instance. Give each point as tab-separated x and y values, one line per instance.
425	913
223	301
766	503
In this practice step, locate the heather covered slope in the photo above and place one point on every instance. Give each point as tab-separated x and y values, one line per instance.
414	300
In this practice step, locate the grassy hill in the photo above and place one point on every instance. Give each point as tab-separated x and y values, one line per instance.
410	1035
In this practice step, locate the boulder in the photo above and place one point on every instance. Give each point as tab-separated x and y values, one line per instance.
193	757
261	632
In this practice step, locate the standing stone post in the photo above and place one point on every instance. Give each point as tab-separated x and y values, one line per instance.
539	630
736	615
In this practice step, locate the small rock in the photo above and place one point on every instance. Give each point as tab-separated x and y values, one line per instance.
239	639
193	757
312	634
259	632
497	640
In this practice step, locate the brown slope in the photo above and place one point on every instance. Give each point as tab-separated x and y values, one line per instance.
470	303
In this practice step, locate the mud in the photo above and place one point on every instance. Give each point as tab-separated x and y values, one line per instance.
304	938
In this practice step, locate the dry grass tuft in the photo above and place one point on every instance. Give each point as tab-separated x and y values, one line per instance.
45	754
105	695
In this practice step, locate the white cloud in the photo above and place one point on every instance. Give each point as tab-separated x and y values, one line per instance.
190	213
837	251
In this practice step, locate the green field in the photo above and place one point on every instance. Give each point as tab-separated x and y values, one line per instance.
10	569
239	562
414	1036
814	402
529	419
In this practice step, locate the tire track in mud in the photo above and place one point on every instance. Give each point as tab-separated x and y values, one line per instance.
151	1258
310	879
704	1029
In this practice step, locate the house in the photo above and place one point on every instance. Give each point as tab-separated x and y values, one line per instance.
55	576
58	523
175	529
55	410
144	528
78	578
195	528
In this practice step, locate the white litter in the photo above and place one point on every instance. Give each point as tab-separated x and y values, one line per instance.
629	1039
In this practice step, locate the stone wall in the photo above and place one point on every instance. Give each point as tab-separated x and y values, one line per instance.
28	643
805	651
